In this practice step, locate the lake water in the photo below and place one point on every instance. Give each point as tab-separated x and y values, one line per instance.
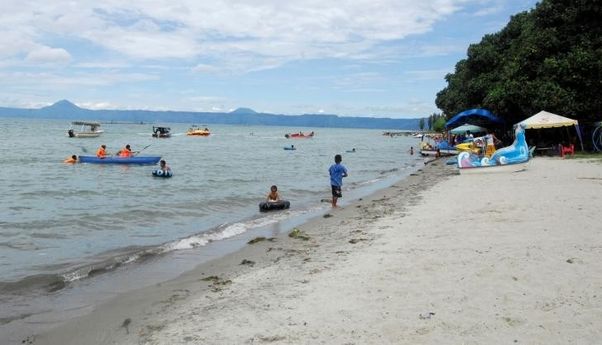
62	223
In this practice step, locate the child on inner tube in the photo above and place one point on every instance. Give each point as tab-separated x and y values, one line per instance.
273	195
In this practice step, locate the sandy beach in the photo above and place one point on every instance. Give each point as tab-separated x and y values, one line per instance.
438	258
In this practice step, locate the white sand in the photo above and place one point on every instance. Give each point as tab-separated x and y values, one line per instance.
479	259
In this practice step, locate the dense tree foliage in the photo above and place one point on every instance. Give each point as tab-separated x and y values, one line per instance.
549	58
436	122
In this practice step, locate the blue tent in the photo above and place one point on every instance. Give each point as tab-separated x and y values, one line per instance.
478	117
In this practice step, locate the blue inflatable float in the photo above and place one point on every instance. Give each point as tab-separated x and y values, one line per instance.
161	173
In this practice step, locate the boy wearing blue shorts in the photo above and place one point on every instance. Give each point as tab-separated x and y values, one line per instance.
337	172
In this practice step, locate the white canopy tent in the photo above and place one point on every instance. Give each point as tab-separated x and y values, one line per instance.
545	119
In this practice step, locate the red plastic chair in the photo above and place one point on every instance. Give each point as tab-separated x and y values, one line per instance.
566	150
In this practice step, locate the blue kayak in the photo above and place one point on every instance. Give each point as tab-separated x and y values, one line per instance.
120	160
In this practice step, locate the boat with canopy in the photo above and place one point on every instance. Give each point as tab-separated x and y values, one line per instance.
88	129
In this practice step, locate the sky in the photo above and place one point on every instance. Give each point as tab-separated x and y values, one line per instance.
378	58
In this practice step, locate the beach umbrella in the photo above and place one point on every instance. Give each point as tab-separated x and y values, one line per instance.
472	128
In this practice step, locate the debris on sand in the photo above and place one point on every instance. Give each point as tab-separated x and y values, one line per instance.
257	239
297	233
247	262
126	325
217	283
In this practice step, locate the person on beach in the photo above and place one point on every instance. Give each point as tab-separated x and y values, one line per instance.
273	194
71	160
102	151
163	166
125	152
337	171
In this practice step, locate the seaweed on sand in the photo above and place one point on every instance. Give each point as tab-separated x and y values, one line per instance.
297	233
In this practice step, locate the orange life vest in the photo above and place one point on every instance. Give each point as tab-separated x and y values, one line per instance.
125	153
101	153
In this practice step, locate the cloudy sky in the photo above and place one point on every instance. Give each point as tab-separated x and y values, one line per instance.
384	58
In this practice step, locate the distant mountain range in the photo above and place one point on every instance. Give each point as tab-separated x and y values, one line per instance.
241	116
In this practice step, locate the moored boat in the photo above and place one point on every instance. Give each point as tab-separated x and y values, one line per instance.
510	158
299	135
88	129
442	149
142	160
197	131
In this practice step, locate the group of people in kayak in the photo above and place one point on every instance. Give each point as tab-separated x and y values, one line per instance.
124	152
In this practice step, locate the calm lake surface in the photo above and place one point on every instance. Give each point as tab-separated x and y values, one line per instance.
60	222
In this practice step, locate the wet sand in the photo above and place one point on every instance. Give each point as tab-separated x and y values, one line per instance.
436	258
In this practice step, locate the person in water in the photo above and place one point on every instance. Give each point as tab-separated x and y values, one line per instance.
102	151
125	152
411	150
337	171
273	195
163	166
71	160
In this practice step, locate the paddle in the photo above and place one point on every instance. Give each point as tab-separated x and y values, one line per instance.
144	148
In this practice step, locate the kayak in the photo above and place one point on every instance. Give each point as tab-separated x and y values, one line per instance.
120	160
289	148
266	206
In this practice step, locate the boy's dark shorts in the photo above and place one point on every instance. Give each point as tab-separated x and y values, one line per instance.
336	191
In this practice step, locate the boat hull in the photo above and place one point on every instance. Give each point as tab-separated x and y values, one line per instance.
86	134
140	160
299	136
442	152
508	168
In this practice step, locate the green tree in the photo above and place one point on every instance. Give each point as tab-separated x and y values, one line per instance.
439	125
547	58
421	124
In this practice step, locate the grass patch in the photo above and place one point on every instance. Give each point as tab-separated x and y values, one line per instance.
586	155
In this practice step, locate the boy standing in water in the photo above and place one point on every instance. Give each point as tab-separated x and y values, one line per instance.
337	172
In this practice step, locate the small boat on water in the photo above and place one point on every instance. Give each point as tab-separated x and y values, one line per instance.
161	132
299	135
141	160
290	148
198	131
88	129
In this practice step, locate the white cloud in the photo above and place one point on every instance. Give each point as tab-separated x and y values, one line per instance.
239	36
98	105
48	55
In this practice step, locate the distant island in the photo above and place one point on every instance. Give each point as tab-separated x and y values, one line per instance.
241	116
